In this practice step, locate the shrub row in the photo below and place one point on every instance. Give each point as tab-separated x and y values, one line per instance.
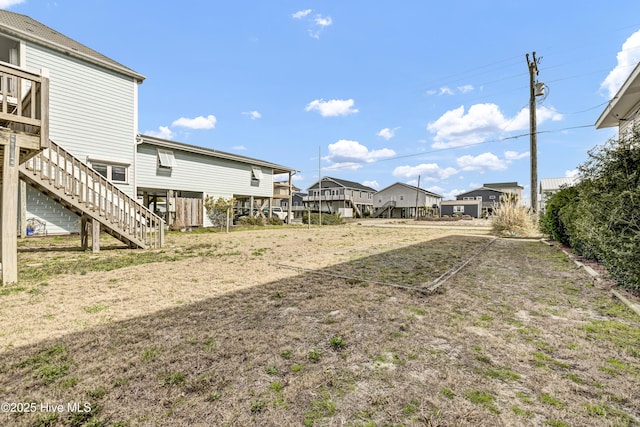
327	219
600	217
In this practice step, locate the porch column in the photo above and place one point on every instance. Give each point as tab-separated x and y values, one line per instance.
9	217
95	235
84	232
23	209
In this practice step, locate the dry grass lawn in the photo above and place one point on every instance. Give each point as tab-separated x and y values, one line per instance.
255	328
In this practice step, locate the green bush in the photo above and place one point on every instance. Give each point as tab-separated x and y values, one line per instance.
327	219
600	217
250	220
274	220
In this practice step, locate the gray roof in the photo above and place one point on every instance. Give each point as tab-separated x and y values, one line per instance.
498	185
555	184
343	183
480	189
26	28
427	192
145	139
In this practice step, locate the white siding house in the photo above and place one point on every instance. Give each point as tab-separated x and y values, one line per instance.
400	200
168	171
92	107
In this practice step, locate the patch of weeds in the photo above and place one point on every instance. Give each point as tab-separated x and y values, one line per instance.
96	308
411	407
209	344
173	378
606	411
337	343
257	406
314	356
483	358
271	370
212	397
259	251
296	367
85	418
501	373
447	392
417	310
322	407
278	295
521	412
547	399
484	399
150	354
276	386
615	367
50	373
556	423
11	289
68	383
286	354
46	420
543	359
524	398
575	378
626	337
97	393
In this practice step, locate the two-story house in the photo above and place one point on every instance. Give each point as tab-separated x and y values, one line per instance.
333	195
401	200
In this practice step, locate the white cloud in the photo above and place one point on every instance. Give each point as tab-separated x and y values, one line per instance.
446	90
372	184
481	163
627	58
455	128
254	115
322	21
301	14
346	153
387	133
8	3
429	172
574	173
514	155
199	122
163	132
332	108
239	147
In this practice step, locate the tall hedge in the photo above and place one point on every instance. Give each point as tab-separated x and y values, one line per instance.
600	217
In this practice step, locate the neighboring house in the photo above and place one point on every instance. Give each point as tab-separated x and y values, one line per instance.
623	111
489	197
550	186
333	195
92	108
400	200
95	171
461	207
282	191
184	175
298	205
508	188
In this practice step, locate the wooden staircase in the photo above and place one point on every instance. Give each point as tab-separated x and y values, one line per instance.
82	190
382	209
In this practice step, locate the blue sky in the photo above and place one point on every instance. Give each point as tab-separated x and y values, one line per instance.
385	91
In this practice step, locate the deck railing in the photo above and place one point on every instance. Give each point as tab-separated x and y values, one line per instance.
74	179
24	106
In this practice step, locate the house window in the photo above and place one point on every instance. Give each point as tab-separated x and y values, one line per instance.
479	198
256	173
166	159
458	209
468	198
401	197
492	197
113	172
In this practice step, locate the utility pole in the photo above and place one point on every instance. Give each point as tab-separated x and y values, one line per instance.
319	189
417	196
535	89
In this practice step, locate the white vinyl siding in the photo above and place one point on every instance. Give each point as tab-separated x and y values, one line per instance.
405	197
59	220
92	110
201	173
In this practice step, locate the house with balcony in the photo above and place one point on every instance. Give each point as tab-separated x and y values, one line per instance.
334	195
508	188
173	180
401	200
489	199
72	160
